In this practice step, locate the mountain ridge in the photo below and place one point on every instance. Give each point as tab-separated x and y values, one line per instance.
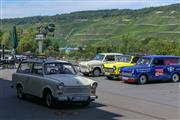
105	28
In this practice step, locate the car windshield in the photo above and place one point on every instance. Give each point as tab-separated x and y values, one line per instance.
59	68
99	57
144	61
123	58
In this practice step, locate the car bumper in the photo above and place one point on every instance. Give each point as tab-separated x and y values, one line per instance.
85	70
113	75
129	79
75	98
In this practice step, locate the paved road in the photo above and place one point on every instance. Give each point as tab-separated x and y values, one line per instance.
117	100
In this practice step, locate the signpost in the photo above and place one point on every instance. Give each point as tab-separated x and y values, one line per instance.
42	34
40	38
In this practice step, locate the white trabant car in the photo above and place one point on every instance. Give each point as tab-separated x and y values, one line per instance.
95	66
53	81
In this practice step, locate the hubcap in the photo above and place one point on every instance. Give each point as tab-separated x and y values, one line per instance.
96	72
175	78
143	79
48	100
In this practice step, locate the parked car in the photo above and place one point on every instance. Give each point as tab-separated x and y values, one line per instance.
53	81
8	61
153	68
95	66
19	58
112	69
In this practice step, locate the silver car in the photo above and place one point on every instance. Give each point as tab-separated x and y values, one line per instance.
95	66
53	81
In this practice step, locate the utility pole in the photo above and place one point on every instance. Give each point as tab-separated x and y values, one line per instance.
66	39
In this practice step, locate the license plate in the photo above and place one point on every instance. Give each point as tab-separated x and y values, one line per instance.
79	98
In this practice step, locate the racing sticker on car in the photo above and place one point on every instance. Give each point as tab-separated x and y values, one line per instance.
159	72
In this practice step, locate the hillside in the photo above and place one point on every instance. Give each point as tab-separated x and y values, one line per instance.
121	29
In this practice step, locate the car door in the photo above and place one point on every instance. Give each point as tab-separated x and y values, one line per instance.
23	74
159	69
171	64
36	79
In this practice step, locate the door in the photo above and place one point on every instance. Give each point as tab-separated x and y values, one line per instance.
159	70
23	74
35	79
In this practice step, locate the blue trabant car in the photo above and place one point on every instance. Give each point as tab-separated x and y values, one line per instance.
152	68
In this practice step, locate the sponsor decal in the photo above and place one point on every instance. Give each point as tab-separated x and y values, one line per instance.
159	72
170	69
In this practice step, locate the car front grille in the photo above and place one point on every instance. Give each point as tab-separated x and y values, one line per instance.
126	74
77	90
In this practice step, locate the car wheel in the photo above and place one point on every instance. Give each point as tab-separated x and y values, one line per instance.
48	99
96	72
142	80
20	93
85	104
175	77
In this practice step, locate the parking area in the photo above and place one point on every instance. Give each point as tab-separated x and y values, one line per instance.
117	100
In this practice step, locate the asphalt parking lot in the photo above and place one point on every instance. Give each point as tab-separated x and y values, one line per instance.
117	101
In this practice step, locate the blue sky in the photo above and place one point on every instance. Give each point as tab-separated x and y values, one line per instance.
24	8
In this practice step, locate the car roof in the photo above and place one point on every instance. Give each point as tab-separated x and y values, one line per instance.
45	61
161	56
110	53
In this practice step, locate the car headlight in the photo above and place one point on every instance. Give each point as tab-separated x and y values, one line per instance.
88	66
60	88
93	88
133	71
114	67
94	85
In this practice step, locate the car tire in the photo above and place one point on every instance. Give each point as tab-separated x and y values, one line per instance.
142	80
20	92
85	104
48	99
175	77
96	72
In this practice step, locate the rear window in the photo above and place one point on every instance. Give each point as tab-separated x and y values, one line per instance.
172	61
110	58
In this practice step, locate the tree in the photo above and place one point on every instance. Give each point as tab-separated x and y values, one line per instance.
6	40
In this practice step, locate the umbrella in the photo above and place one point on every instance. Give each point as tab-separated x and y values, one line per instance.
14	39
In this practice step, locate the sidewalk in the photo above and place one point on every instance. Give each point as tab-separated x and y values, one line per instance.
6	73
